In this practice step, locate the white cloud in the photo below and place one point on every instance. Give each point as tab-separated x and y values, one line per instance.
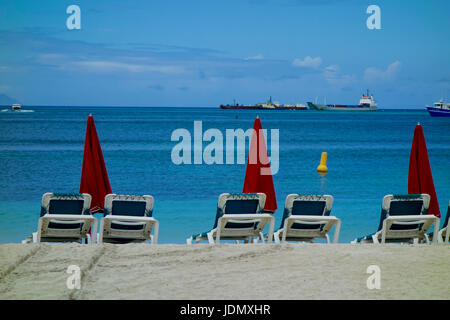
101	65
333	76
372	74
332	68
307	62
131	64
257	57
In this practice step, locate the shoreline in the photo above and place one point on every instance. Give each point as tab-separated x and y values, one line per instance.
292	271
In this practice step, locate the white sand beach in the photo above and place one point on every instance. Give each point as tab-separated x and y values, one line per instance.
226	271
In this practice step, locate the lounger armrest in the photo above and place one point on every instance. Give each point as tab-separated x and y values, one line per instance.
427	220
329	220
86	218
153	221
263	218
69	217
129	218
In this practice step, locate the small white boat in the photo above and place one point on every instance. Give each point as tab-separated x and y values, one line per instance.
16	107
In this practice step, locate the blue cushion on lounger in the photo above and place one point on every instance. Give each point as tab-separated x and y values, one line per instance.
64	207
239	207
128	208
402	208
306	208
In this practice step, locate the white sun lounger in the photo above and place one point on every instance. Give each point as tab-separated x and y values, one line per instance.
403	218
64	218
239	217
307	217
128	218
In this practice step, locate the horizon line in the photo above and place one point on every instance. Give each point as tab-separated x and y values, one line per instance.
190	107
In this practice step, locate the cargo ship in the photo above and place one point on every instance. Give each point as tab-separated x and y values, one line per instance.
269	105
439	109
366	103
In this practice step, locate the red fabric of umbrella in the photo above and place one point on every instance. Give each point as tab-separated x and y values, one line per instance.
258	175
94	178
420	179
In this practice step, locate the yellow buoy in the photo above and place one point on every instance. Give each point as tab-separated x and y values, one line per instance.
323	163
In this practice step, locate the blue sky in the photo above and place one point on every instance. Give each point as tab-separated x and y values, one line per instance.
204	53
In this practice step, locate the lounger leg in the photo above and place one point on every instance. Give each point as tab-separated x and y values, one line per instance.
276	236
100	236
436	232
261	236
210	238
337	230
271	228
155	233
283	236
94	232
375	239
38	233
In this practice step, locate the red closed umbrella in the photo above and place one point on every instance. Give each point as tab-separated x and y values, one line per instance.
94	178
420	179
258	175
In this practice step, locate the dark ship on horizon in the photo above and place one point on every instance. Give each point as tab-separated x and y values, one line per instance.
269	105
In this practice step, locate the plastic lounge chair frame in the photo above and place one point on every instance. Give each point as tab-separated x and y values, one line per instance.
222	233
148	223
387	234
44	233
326	222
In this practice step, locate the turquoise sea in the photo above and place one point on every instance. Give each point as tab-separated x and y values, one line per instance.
368	157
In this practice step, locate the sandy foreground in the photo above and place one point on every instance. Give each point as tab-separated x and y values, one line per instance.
226	271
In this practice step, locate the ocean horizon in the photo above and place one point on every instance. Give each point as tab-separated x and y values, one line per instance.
26	106
368	157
